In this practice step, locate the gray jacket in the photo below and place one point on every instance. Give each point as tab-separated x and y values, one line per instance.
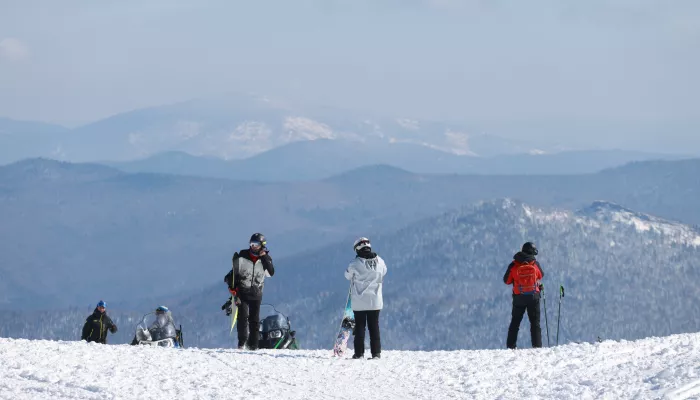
248	275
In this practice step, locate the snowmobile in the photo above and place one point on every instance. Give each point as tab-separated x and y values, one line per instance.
276	331
160	331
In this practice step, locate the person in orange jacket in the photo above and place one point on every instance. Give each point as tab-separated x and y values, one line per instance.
525	274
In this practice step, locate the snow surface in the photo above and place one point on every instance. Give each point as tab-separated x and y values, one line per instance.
652	368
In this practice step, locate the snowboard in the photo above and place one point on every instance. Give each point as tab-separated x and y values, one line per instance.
234	316
347	324
232	299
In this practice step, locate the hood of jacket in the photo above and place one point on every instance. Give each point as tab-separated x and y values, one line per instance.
523	257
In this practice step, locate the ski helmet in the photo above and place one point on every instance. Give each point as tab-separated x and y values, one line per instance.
258	239
529	248
161	309
361	243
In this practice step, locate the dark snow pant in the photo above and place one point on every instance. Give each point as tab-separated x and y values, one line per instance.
370	320
521	304
249	317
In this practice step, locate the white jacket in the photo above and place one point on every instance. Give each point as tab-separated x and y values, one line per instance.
366	276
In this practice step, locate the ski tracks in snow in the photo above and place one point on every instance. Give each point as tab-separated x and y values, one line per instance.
686	392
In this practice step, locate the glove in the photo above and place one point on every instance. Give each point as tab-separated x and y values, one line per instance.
232	291
236	301
541	286
113	329
228	311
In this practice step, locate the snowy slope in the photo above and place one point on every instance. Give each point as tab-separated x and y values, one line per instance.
616	216
624	279
652	368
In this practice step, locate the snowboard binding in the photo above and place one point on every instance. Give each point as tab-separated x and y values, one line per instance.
348	323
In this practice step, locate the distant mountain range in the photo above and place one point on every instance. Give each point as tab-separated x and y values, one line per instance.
627	275
234	126
323	158
71	233
237	127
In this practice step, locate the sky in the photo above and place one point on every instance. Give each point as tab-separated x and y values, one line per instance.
511	63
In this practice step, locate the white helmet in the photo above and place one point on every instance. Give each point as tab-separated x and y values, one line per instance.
361	243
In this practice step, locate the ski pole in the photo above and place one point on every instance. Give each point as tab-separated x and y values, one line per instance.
546	324
561	294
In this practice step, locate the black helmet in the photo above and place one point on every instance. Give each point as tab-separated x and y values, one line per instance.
529	248
258	238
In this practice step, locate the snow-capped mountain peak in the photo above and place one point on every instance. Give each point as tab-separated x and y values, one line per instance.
604	215
604	212
235	126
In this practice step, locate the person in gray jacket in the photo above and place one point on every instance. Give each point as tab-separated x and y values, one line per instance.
246	281
366	274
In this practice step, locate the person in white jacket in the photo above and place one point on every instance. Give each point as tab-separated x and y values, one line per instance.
366	274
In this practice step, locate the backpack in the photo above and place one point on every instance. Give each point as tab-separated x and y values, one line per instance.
525	277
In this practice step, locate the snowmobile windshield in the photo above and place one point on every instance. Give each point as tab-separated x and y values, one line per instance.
163	327
274	322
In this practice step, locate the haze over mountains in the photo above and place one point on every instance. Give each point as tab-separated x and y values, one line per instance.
21	139
63	222
237	127
160	225
627	275
323	158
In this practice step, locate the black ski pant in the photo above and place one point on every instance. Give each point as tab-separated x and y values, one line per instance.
249	317
521	304
370	320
